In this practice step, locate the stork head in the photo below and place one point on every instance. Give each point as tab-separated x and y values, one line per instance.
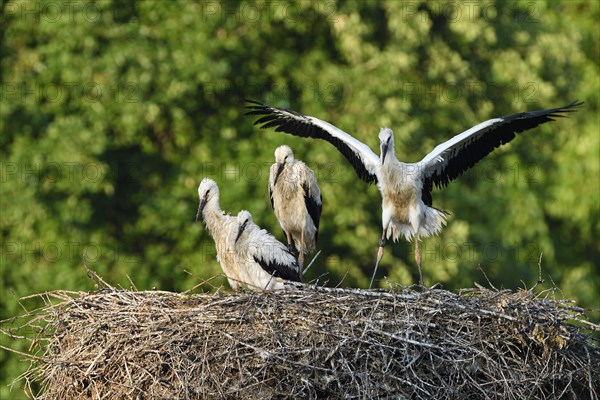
243	219
283	154
386	140
207	191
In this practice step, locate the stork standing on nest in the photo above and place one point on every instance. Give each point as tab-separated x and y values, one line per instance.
406	187
222	229
264	262
296	200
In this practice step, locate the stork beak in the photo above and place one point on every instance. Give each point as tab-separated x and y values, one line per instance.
278	172
241	230
200	209
384	150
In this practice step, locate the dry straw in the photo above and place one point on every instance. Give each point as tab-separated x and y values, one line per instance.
309	342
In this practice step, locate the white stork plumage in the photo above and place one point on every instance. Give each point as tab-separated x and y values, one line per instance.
264	262
222	229
248	255
406	187
296	200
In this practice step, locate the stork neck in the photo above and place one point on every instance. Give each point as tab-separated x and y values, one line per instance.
290	177
390	156
213	217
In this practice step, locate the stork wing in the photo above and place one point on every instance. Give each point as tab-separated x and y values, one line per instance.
271	178
360	156
314	204
290	272
450	159
272	255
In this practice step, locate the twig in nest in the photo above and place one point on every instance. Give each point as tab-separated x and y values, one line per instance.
95	277
312	261
202	283
343	277
133	287
486	277
540	279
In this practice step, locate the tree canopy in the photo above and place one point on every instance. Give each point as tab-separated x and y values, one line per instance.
113	111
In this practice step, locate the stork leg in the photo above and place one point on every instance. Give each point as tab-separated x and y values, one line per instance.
418	258
379	256
289	239
301	250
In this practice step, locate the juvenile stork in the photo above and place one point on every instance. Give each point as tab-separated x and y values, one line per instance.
264	262
222	229
406	187
296	200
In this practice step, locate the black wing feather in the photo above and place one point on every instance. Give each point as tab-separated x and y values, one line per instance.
483	145
283	271
313	208
303	127
426	192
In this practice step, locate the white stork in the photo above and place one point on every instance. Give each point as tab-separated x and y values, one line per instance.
296	200
264	262
222	229
406	187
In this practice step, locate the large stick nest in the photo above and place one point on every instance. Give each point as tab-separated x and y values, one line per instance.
311	342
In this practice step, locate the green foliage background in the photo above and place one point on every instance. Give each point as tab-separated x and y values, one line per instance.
113	111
